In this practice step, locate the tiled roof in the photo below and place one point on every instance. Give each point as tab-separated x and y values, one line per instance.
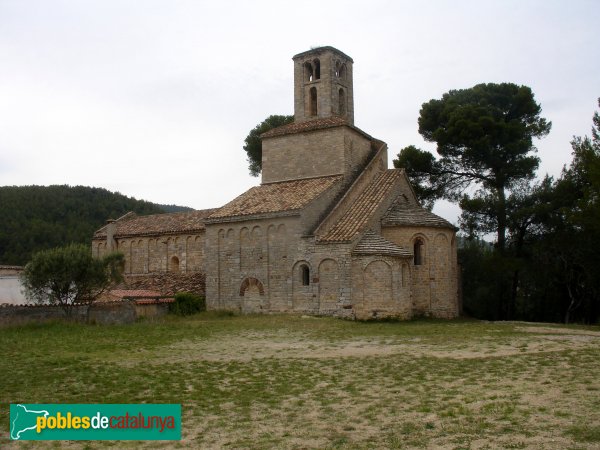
276	197
139	296
404	212
140	293
357	217
167	283
157	224
150	301
373	244
311	125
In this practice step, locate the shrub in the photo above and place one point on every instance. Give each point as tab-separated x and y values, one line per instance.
187	303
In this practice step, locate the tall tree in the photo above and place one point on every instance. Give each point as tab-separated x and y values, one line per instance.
574	236
253	143
419	165
484	138
68	275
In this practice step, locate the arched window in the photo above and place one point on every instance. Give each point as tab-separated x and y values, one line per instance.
418	250
308	71
340	70
317	69
174	266
313	101
305	275
342	102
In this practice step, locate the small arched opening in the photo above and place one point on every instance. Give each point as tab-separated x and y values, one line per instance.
253	284
317	64
418	252
174	264
308	71
313	101
304	275
342	102
342	71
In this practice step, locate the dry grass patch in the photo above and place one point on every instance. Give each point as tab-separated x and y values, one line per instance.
291	382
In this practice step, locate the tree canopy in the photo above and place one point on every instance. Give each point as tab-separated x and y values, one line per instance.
572	230
550	271
484	138
253	144
69	275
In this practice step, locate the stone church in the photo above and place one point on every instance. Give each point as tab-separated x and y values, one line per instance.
330	230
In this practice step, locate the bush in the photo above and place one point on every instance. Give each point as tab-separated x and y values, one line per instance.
187	303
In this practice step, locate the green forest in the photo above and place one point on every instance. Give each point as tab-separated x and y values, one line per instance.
34	218
543	264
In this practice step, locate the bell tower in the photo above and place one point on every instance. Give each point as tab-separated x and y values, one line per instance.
323	85
322	140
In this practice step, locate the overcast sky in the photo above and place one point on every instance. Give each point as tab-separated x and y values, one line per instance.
154	98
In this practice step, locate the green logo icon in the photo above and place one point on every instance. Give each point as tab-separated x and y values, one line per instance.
95	422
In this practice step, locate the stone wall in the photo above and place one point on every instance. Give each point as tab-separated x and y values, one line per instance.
258	267
109	313
249	259
269	265
434	281
317	153
21	314
177	253
331	277
381	287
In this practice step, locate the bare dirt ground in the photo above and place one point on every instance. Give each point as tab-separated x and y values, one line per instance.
530	402
306	383
246	346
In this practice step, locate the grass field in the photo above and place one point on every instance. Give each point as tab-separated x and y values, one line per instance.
302	382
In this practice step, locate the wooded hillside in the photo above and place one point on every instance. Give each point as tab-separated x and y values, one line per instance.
33	218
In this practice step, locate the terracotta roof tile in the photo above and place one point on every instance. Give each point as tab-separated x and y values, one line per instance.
157	224
139	296
373	244
358	215
167	283
144	293
276	197
407	213
150	301
311	125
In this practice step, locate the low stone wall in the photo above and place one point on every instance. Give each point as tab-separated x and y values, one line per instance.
111	313
22	314
151	309
105	313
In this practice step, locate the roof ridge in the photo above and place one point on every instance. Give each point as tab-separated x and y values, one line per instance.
159	224
300	179
312	125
